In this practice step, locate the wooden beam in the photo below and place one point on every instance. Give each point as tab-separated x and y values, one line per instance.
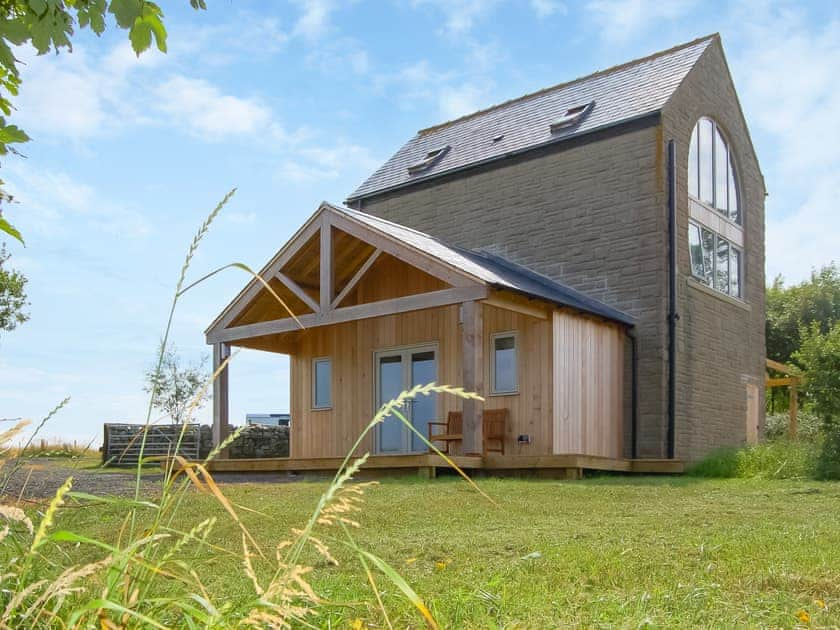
232	310
221	406
781	382
295	288
499	300
783	367
327	274
417	302
793	426
405	252
356	277
472	338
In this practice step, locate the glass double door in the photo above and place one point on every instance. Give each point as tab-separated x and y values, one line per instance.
397	371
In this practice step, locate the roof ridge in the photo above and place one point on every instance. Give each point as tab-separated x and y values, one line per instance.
557	86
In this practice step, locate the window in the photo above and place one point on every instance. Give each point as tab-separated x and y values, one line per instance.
572	117
711	174
503	368
321	383
432	158
714	261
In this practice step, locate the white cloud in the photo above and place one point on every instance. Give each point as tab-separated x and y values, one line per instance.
547	8
619	21
314	20
796	128
459	16
53	203
314	163
203	109
458	101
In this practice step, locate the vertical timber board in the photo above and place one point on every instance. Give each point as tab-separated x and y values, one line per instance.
752	413
221	409
472	336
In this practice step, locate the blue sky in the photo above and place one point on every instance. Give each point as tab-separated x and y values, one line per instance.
295	102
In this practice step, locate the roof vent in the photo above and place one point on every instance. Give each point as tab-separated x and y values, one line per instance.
432	158
572	117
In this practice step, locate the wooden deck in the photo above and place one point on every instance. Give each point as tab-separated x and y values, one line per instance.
564	465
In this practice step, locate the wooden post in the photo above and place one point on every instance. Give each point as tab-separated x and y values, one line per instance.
326	293
472	334
793	426
221	407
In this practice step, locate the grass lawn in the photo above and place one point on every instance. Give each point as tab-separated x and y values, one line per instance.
624	551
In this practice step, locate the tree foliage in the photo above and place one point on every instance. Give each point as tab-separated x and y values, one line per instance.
12	294
790	310
820	355
177	386
49	25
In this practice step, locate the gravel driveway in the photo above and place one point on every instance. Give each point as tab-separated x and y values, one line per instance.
40	478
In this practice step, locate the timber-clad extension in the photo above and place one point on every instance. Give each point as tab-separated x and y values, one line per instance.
522	252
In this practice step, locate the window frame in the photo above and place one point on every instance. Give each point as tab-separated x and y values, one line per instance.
694	181
511	334
315	362
717	238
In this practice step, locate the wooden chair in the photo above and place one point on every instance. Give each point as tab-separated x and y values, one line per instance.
494	425
453	430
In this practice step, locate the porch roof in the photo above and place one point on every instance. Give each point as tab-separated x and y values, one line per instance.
492	269
468	274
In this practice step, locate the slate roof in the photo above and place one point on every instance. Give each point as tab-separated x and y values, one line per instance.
494	270
630	91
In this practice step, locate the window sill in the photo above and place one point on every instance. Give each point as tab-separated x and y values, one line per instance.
694	284
499	394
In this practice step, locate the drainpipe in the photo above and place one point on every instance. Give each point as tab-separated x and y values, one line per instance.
634	393
673	316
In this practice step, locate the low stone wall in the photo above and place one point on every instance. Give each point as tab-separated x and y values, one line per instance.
261	441
255	441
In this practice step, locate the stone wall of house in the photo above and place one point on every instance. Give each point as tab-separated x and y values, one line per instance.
593	213
590	213
721	346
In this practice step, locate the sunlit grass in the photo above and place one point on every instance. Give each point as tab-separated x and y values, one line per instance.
619	551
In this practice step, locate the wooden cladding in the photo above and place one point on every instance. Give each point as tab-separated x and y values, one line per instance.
588	386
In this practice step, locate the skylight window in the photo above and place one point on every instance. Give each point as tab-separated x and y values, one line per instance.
432	158
572	117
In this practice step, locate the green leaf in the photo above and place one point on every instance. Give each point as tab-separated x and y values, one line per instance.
7	59
12	133
9	229
157	27
14	31
126	12
140	36
38	7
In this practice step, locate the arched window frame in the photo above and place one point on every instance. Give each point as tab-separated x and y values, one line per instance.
715	236
712	175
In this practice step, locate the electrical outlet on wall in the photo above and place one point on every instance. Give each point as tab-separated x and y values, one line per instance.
523	438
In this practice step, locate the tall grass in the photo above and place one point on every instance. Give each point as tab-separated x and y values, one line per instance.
145	577
776	459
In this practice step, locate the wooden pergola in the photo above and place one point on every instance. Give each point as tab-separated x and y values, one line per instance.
792	379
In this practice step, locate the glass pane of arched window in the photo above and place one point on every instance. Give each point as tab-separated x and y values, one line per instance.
722	266
706	147
695	250
734	211
721	169
735	272
708	244
693	187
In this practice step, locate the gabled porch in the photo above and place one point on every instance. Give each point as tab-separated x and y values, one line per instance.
377	308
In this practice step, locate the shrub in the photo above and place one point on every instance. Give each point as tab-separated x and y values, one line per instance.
828	461
809	426
779	459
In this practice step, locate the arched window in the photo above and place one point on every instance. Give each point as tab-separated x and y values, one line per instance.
711	175
716	257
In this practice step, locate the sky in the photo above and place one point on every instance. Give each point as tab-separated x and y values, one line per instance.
297	102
